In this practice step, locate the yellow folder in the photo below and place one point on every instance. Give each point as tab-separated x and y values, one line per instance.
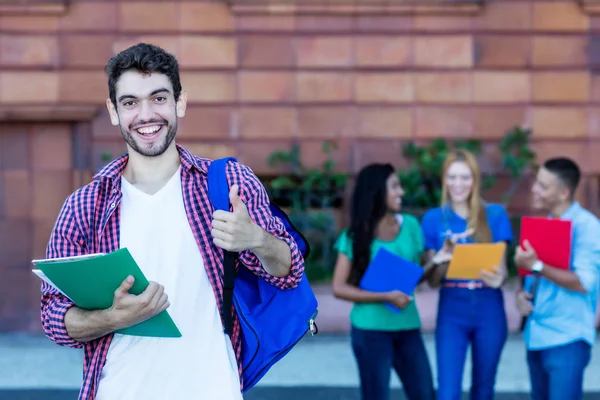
468	260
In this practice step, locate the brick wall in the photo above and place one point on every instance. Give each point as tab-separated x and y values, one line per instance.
258	82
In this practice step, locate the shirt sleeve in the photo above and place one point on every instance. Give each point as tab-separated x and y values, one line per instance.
429	229
65	241
256	199
586	253
500	224
343	245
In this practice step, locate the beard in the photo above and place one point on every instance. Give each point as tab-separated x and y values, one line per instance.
155	149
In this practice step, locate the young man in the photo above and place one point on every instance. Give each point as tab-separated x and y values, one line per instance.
154	201
561	310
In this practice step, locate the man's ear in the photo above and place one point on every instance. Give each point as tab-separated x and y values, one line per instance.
564	192
181	104
112	111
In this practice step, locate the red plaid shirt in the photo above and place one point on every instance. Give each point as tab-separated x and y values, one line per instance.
89	223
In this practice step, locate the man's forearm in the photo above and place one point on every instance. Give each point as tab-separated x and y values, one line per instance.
83	325
564	278
274	254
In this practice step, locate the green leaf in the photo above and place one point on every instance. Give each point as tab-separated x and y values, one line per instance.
282	182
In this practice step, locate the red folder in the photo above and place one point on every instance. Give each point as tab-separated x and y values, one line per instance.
550	238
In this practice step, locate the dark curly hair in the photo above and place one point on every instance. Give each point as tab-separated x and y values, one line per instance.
147	59
369	206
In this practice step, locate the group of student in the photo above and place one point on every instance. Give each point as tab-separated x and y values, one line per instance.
154	200
559	329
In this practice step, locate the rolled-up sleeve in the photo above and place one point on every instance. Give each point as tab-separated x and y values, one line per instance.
256	199
586	256
65	241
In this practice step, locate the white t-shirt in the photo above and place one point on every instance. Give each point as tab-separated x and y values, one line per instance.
199	365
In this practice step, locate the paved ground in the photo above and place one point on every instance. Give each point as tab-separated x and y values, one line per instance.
319	368
298	393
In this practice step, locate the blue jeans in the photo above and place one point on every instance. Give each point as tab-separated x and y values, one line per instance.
377	352
557	373
474	317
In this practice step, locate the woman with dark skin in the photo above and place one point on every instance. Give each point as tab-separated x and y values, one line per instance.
381	338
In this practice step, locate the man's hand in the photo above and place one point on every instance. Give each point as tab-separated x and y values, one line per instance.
493	279
398	299
129	309
524	303
525	258
235	231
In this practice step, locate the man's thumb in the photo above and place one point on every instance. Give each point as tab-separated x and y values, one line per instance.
124	288
234	197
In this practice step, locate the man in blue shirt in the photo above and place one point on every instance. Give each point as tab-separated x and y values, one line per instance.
560	305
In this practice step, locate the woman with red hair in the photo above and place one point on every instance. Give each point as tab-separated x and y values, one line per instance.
470	312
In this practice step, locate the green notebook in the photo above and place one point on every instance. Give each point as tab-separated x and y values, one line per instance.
90	282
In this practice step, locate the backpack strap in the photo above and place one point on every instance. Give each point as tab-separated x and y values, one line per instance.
218	192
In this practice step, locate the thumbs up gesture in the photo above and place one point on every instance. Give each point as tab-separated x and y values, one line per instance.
235	231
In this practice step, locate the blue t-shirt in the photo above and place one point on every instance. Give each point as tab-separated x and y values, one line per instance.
442	222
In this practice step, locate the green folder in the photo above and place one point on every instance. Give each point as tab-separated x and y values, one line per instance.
90	282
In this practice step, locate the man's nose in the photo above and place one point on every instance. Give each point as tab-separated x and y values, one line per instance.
146	111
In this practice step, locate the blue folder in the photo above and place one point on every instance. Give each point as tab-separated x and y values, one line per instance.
388	272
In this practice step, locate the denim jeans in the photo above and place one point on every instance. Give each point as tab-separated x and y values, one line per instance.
377	352
557	373
466	317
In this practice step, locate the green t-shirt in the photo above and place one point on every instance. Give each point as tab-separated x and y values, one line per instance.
376	316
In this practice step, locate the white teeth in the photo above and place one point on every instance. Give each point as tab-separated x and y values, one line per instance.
148	130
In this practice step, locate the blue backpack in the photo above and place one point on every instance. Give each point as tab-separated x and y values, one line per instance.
272	320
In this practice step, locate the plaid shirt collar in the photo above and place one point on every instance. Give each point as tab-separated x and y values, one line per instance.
115	168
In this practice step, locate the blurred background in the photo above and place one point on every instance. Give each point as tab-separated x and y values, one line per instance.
305	92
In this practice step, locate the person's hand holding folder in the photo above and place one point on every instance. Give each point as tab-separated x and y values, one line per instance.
544	239
525	256
111	295
478	261
130	309
394	277
494	278
398	299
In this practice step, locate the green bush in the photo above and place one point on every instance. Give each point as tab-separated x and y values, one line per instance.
310	196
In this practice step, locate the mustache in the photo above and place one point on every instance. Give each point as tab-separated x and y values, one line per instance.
148	122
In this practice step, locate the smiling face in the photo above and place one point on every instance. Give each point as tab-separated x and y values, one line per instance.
459	181
394	193
146	112
548	191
